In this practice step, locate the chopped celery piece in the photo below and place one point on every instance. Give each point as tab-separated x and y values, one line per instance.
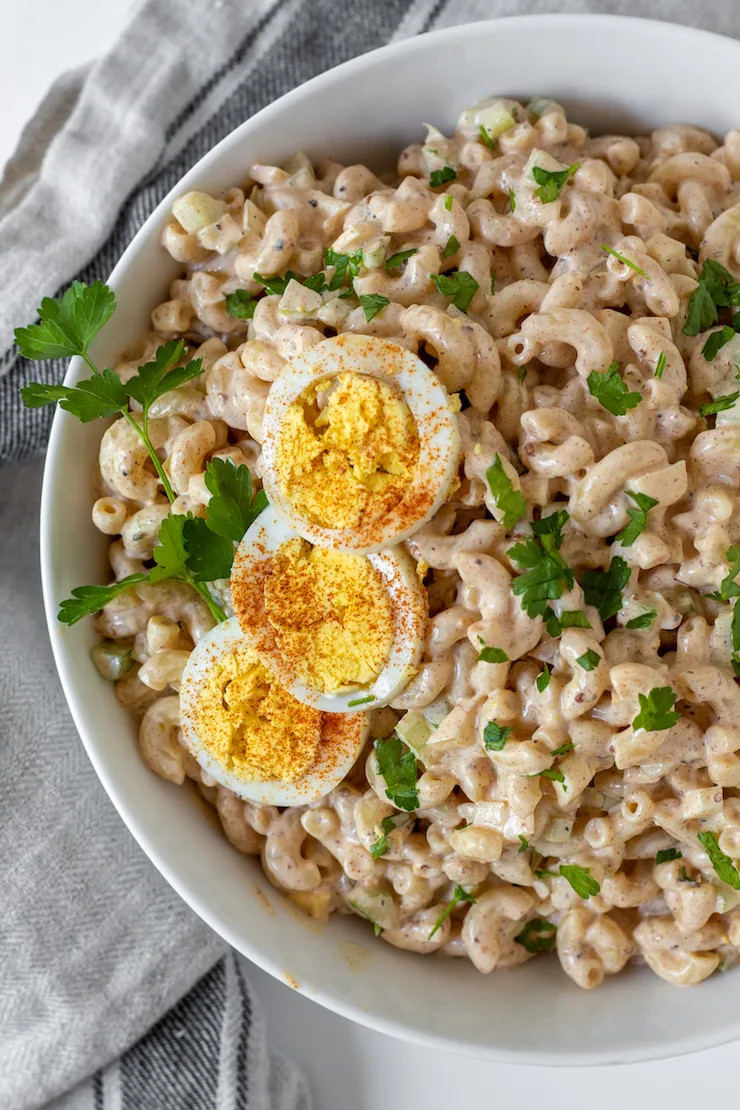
112	659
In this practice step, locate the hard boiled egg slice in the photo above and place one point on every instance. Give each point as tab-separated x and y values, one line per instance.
360	446
341	631
251	736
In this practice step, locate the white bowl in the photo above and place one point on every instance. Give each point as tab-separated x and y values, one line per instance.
612	74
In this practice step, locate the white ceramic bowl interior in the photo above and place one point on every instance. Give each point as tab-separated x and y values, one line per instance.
612	74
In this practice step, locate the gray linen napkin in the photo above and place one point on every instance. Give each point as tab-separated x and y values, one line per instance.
95	946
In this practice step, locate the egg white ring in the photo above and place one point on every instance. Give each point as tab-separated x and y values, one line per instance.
398	571
343	737
440	446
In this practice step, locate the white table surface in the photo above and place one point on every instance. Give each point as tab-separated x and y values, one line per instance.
351	1068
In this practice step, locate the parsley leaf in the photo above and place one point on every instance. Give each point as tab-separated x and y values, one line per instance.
564	748
512	200
158	377
623	260
537	935
716	289
441	177
523	844
240	304
451	247
399	259
170	554
398	768
543	679
231	509
551	182
644	620
372	304
491	654
603	588
721	863
660	365
360	701
387	825
716	341
68	324
458	895
570	618
589	660
86	600
638	517
667	854
208	555
580	879
510	501
495	736
100	396
459	285
719	404
546	570
656	710
611	392
342	263
552	773
729	587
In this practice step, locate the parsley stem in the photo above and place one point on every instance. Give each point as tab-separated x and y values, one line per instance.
143	432
213	607
83	354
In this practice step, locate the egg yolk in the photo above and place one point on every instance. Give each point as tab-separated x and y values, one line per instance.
331	615
251	725
350	458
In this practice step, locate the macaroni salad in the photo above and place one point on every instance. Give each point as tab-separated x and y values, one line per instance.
562	770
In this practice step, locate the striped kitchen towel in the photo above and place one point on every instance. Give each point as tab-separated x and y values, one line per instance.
96	948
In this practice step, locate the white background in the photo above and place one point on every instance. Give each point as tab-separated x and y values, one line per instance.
351	1068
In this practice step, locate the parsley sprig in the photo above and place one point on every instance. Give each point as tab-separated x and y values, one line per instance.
546	572
719	404
192	549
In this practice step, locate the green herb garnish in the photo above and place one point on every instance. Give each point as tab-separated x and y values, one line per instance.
546	572
458	895
638	517
656	710
537	935
451	247
721	863
719	404
372	304
495	736
509	500
459	285
551	182
623	260
580	879
611	392
603	588
441	177
398	259
667	854
644	620
398	768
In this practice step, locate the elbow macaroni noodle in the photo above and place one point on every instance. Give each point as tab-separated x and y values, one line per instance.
551	308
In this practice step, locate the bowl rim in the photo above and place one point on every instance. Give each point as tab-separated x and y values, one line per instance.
687	1044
